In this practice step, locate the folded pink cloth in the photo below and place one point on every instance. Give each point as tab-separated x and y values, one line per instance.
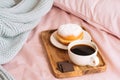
32	62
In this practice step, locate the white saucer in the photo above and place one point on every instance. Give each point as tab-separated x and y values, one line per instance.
62	46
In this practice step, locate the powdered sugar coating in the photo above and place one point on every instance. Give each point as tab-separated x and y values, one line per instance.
69	29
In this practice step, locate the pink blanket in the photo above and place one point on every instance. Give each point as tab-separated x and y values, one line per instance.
32	62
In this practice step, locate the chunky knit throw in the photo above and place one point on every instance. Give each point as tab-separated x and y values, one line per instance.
17	19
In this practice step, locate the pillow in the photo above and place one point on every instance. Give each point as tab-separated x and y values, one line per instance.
102	14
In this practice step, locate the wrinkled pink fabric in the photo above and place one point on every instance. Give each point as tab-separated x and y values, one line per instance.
104	13
32	62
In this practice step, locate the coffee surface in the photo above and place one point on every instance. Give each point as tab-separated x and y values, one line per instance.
82	50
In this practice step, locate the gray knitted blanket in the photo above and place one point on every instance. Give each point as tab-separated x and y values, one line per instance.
17	19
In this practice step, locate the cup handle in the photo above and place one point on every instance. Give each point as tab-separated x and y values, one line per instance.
94	61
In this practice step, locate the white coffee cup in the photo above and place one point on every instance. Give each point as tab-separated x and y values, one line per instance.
82	59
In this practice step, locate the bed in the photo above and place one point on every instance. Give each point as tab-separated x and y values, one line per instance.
101	18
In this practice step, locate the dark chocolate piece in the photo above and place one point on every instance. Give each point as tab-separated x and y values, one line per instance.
65	66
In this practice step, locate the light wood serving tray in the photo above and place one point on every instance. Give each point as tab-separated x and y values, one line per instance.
56	55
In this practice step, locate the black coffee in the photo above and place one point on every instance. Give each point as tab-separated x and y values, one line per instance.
82	50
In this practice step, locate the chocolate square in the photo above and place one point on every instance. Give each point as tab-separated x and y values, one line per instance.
65	66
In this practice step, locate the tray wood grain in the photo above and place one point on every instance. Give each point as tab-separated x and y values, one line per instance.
57	55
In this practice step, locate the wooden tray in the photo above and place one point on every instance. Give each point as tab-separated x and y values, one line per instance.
56	55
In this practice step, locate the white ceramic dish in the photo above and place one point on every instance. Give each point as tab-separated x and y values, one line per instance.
65	47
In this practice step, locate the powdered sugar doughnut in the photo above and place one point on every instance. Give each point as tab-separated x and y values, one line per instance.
69	29
69	32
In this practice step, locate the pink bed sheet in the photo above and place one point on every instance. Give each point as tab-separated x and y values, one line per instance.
32	62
